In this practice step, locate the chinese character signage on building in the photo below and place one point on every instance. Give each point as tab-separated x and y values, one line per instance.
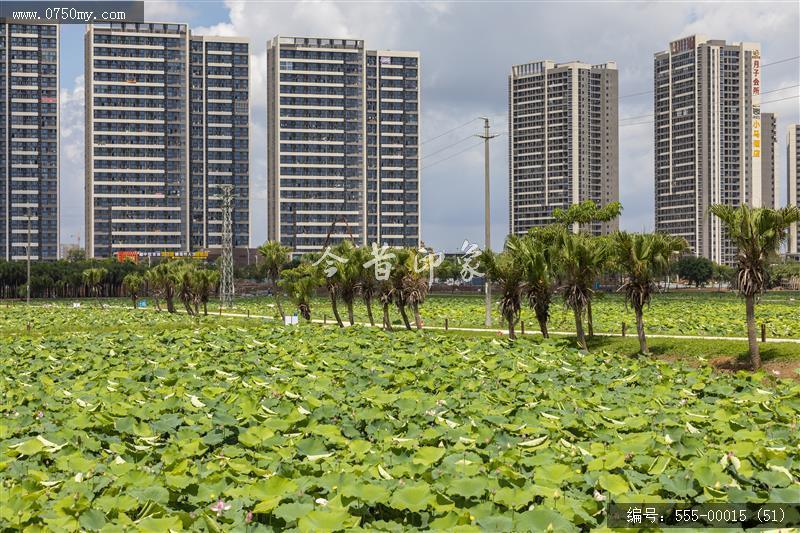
756	103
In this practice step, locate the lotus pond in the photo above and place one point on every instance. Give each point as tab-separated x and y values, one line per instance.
154	422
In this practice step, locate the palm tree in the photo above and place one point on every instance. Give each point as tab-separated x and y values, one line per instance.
300	283
580	259
183	278
368	282
348	276
401	266
536	252
758	234
276	256
93	278
415	284
507	270
133	283
162	282
204	282
642	258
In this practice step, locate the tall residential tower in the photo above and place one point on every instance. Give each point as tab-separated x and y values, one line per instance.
769	150
343	143
793	181
709	138
563	140
167	121
29	141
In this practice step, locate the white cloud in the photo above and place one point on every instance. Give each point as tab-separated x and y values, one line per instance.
71	106
168	11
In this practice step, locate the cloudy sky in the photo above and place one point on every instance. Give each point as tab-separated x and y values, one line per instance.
467	51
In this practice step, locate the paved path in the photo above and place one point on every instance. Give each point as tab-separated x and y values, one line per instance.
531	333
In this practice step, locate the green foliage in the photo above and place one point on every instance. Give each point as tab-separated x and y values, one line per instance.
695	269
587	212
194	425
508	271
757	233
781	274
93	277
300	283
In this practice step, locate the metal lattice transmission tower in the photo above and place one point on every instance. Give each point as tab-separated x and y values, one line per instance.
226	263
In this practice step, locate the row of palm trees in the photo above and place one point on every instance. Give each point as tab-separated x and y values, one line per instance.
534	268
404	285
190	283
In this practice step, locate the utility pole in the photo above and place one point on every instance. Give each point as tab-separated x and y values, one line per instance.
226	264
487	286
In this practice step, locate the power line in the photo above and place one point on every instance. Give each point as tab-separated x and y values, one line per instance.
765	92
763	65
449	131
468	137
451	156
781	99
780	61
762	103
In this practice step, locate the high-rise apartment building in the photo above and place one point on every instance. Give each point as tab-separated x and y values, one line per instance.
563	140
220	137
793	181
343	142
167	122
29	141
393	111
769	148
708	138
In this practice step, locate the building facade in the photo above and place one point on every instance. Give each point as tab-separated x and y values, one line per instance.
563	140
343	143
167	121
793	181
220	137
29	141
708	138
769	149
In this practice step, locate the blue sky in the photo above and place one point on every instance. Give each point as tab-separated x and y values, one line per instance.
467	51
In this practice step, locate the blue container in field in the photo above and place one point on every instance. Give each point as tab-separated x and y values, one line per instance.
141	304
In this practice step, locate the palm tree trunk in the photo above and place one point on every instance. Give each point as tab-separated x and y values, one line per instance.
579	327
589	321
350	315
755	355
417	317
133	298
511	333
276	292
543	328
205	308
640	331
404	316
335	308
387	322
368	302
541	317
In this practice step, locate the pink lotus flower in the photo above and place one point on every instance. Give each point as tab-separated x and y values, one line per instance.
248	517
220	507
40	415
